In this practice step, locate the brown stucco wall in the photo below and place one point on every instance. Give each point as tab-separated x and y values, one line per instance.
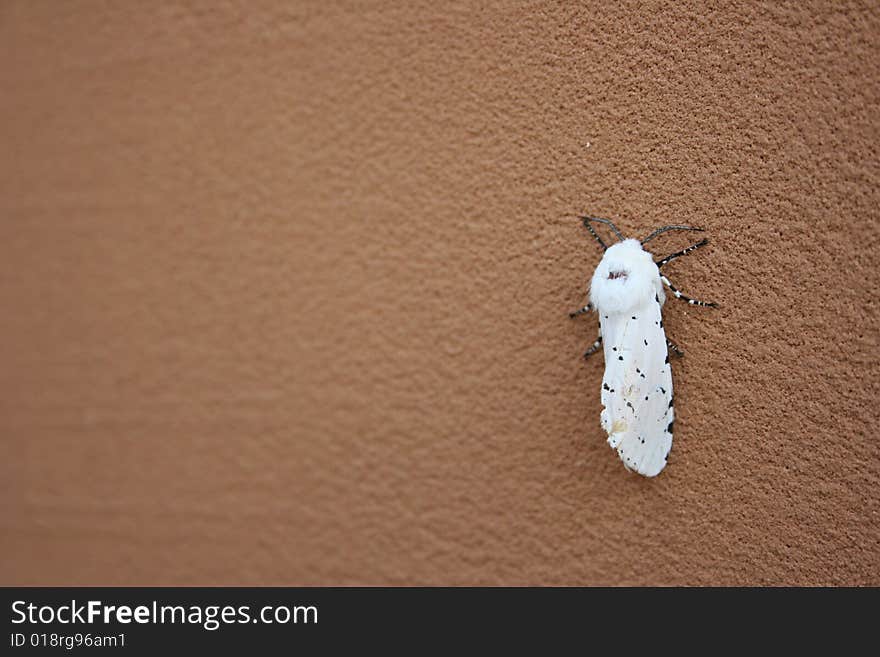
283	291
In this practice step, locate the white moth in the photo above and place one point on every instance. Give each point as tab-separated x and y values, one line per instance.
627	292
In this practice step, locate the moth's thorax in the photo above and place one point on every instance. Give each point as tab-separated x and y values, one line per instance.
626	278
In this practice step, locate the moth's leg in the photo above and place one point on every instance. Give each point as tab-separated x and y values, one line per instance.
594	347
674	348
582	311
679	295
683	252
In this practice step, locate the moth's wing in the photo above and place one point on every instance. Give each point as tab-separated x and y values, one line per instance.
637	389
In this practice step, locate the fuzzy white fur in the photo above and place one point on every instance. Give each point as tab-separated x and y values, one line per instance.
640	282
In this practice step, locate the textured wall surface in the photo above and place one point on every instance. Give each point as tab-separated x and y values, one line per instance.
284	291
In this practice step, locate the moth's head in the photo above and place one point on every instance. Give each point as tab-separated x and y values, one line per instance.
625	278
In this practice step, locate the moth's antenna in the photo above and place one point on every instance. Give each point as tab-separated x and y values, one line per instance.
587	221
665	228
